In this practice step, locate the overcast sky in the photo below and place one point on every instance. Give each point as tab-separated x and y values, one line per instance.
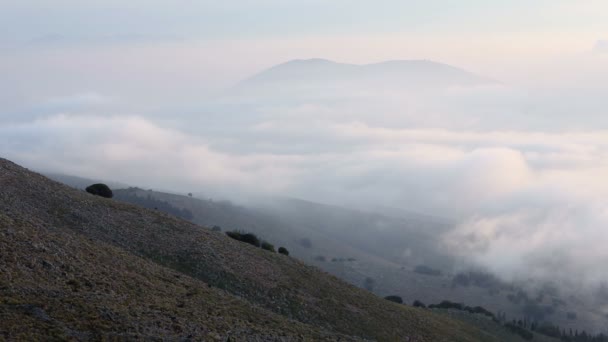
134	91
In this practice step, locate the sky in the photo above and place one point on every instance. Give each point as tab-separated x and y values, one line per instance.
142	92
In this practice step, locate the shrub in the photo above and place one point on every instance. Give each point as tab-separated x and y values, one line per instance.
216	228
419	304
100	189
283	250
268	246
446	304
395	299
249	238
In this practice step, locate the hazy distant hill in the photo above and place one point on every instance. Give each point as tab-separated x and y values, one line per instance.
77	266
322	75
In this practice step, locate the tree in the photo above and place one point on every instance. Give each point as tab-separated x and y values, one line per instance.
283	250
100	189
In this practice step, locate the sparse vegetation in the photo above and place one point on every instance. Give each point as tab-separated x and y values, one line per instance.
100	189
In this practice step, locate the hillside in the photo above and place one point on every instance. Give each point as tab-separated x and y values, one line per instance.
76	266
355	246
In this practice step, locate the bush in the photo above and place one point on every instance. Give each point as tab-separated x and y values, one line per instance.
249	238
100	189
216	228
446	304
419	304
395	299
283	250
268	246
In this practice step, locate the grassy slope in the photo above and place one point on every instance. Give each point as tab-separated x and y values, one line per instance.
327	226
99	283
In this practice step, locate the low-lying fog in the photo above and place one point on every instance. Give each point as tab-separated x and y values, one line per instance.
519	169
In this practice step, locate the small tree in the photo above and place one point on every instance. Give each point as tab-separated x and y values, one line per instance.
100	189
283	250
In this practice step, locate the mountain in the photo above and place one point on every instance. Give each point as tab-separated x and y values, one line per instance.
79	267
322	74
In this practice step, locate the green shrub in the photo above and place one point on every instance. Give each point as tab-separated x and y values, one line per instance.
268	246
283	250
395	299
100	189
249	238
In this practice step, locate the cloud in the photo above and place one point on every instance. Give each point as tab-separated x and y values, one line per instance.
525	201
601	46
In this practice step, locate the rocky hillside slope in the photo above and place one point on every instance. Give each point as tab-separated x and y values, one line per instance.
76	266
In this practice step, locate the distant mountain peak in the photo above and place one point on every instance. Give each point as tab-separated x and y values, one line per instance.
320	72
